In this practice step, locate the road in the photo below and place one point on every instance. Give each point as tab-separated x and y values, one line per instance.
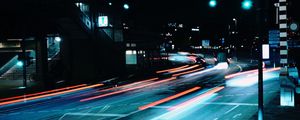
185	97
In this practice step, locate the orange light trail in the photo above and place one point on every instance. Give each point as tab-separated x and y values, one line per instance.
126	90
184	69
168	98
147	80
192	101
161	71
47	95
187	72
40	93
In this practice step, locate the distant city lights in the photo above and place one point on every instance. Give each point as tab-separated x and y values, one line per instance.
57	39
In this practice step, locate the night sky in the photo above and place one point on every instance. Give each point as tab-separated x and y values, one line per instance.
155	13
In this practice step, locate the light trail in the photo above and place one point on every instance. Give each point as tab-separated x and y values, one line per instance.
126	90
48	95
192	101
240	73
187	72
184	69
40	93
167	70
168	98
251	71
128	85
181	110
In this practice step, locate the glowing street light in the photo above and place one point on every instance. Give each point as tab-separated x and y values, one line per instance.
126	6
57	39
212	3
20	63
247	4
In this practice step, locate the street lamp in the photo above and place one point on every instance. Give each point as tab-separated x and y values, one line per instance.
57	39
247	4
212	3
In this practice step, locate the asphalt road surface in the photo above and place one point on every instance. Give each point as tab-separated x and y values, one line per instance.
190	96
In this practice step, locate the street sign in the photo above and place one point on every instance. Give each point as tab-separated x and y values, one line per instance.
266	51
274	38
102	21
205	43
294	26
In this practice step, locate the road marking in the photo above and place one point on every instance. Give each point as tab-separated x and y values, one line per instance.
231	109
224	103
168	98
104	108
127	115
216	118
237	115
62	116
93	114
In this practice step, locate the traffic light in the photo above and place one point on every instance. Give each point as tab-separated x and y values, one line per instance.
247	4
27	59
212	3
20	63
126	6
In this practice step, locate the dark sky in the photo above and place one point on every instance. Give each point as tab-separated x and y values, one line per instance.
154	13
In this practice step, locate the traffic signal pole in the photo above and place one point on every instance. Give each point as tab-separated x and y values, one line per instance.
24	63
261	21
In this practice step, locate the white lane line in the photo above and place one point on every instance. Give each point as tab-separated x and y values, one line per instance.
214	103
224	103
127	115
231	109
104	108
62	116
93	114
237	115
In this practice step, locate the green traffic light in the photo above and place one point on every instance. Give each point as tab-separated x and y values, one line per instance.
126	6
20	63
247	4
212	3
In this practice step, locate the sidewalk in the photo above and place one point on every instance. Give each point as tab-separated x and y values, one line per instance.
9	88
273	111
